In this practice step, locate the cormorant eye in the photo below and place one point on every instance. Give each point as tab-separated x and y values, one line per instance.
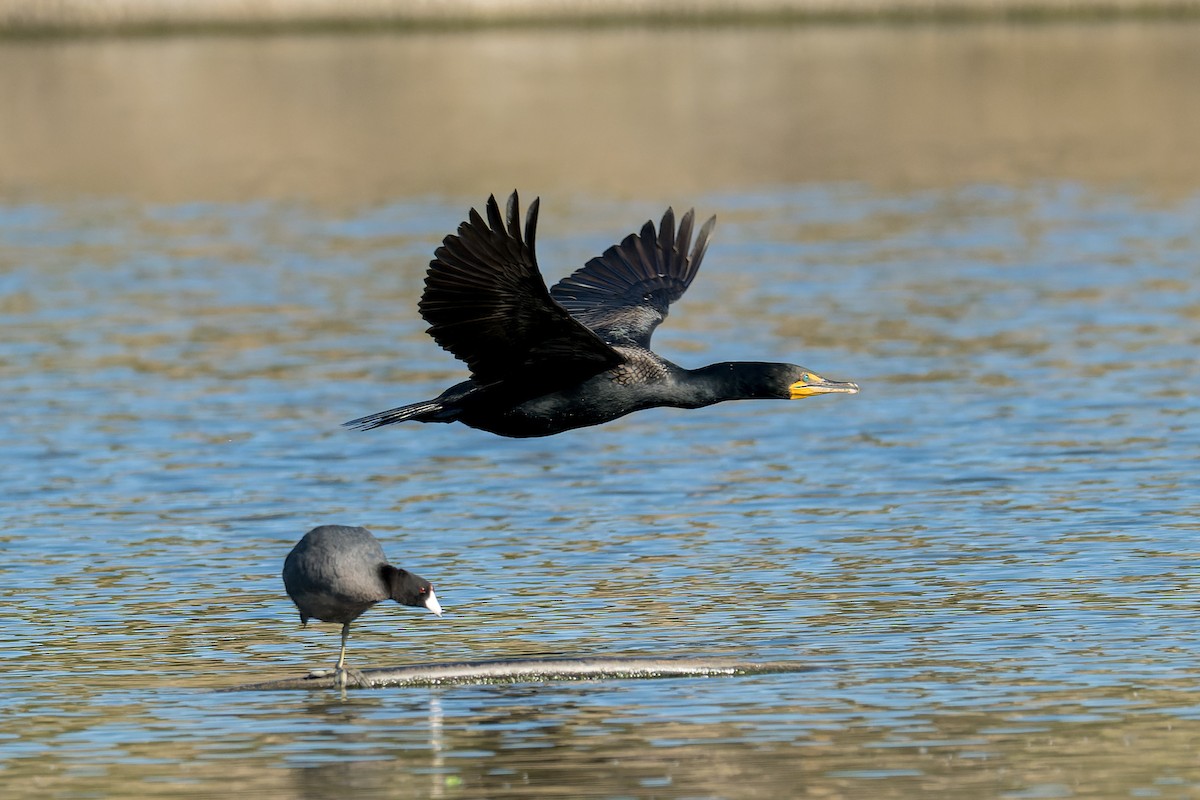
806	377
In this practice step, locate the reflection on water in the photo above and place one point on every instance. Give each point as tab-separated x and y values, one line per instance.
987	555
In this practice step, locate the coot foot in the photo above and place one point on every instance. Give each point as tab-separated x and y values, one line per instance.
349	676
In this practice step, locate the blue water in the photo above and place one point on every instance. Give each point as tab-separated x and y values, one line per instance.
986	560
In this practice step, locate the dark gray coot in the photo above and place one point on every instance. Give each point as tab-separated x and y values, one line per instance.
336	572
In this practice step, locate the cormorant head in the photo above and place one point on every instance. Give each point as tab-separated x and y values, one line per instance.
806	383
410	590
747	380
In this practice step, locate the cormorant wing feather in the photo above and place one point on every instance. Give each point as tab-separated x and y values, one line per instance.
486	302
624	293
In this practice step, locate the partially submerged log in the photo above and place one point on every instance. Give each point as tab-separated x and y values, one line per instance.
533	671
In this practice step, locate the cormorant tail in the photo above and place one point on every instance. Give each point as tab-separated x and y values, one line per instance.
425	411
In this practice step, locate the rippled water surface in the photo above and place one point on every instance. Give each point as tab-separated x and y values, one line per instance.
985	562
987	556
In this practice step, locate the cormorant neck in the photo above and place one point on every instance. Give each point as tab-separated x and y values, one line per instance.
740	380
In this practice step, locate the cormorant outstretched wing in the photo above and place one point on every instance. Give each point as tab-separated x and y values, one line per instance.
486	302
624	294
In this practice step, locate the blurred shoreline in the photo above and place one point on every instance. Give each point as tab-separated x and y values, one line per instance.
82	17
638	113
